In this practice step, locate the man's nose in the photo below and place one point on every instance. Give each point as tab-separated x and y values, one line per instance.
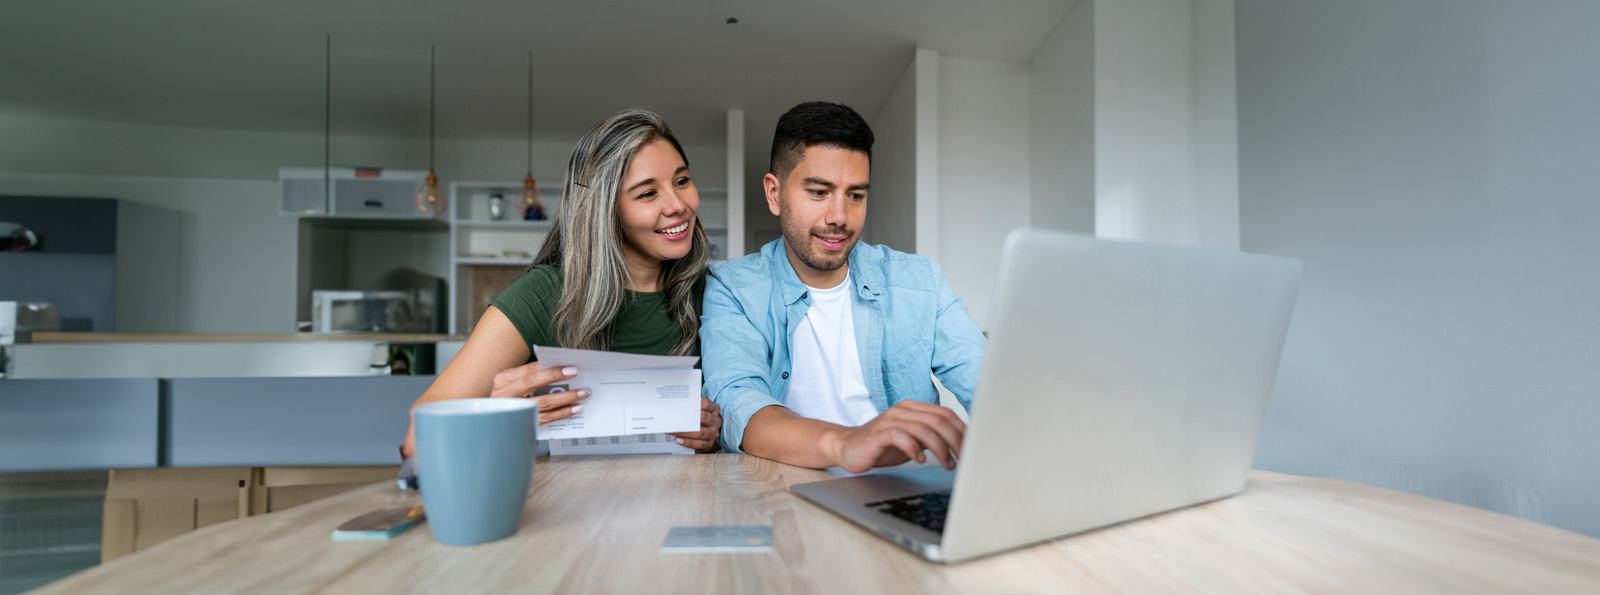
836	216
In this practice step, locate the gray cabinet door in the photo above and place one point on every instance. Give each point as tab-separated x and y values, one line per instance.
254	422
376	198
57	425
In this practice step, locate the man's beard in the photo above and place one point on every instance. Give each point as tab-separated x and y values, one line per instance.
805	247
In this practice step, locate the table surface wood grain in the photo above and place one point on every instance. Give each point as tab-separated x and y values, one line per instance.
595	525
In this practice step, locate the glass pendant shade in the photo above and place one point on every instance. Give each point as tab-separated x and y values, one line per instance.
532	201
428	199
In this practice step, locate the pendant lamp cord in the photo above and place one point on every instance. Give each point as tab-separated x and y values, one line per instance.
530	112
431	106
327	123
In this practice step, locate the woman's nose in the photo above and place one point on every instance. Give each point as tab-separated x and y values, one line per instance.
674	204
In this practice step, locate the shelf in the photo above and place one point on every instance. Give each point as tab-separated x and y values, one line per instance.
376	223
506	224
507	185
495	261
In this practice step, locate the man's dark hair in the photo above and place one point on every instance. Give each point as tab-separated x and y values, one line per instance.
817	123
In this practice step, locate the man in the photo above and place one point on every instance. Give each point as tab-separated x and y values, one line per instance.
818	349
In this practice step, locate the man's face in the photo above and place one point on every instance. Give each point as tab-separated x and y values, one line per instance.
821	205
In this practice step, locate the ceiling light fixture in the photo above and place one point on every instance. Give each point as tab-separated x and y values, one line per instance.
428	199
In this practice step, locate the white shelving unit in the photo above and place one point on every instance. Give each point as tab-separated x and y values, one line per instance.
476	240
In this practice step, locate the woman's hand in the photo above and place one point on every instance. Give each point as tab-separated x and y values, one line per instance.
543	385
704	440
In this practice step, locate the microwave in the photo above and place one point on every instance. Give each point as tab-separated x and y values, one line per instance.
334	311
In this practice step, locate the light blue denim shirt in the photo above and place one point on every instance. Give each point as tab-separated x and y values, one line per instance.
908	322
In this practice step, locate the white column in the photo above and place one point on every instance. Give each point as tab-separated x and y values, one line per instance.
927	77
1166	145
735	183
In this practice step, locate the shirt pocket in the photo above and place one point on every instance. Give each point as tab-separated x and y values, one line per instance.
908	372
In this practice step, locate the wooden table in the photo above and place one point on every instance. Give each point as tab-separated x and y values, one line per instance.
593	525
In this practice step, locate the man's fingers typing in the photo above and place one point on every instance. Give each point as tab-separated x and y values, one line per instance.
949	434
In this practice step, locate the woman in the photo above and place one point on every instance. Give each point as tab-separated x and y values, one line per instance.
623	269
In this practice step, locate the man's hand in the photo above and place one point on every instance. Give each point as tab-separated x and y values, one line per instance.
898	435
704	440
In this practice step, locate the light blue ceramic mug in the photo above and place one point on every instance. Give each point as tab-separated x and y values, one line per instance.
474	464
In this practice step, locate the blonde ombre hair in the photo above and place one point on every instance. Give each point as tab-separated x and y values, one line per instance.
586	240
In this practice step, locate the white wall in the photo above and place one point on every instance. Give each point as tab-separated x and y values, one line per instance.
983	171
892	202
237	255
238	258
1061	110
1432	162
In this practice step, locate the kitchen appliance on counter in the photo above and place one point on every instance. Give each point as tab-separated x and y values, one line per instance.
20	319
367	312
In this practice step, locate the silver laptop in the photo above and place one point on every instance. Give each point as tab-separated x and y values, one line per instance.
1122	379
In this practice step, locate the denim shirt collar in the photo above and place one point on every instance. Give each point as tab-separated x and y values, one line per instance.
866	273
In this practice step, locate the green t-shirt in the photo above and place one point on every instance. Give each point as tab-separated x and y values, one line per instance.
643	326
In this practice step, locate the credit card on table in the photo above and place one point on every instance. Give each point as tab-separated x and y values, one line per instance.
718	539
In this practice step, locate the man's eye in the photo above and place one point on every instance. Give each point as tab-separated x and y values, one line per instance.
858	196
818	193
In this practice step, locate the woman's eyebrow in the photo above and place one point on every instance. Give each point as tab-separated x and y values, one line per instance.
648	181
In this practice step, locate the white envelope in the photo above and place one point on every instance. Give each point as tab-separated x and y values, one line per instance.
631	394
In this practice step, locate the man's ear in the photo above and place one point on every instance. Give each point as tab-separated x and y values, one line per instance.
770	183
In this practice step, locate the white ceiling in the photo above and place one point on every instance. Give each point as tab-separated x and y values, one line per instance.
259	65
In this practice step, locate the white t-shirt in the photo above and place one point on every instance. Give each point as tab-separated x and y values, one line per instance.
825	381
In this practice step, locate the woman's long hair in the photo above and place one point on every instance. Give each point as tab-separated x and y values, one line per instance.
586	239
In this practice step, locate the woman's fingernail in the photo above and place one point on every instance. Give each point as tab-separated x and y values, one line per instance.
576	409
569	371
680	441
583	392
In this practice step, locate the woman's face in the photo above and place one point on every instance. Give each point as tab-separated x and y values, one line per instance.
657	205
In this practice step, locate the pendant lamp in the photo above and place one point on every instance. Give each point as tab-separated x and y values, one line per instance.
428	199
532	202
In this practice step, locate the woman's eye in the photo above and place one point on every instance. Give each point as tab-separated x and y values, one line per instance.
683	182
647	195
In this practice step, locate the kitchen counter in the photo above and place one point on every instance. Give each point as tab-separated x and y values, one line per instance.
131	423
133	400
240	337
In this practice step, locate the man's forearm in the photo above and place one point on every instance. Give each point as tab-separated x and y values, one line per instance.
781	435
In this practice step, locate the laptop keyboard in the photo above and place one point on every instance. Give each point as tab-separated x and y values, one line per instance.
927	510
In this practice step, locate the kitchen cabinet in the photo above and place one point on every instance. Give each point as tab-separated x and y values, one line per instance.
64	424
